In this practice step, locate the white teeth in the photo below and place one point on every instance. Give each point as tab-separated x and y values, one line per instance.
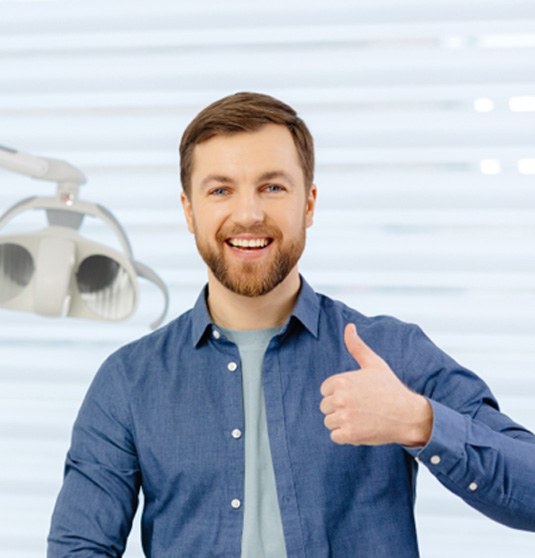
249	242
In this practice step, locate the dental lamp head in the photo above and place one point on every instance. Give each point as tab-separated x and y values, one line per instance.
57	272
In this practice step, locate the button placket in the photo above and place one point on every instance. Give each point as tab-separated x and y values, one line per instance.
234	425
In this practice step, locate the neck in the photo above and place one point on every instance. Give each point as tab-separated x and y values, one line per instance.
233	311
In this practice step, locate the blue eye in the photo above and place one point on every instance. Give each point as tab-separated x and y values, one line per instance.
221	191
274	188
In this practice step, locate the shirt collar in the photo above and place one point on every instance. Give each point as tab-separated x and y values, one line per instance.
307	308
306	311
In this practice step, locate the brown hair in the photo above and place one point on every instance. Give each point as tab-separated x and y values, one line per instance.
245	112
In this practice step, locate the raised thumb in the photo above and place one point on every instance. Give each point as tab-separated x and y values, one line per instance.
358	349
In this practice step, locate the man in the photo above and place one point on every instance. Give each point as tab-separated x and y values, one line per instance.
270	420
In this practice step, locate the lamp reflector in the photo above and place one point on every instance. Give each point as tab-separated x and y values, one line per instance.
16	270
106	287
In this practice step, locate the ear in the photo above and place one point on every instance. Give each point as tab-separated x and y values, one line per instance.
311	205
188	211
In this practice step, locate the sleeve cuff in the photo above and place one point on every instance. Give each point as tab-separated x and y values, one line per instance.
445	447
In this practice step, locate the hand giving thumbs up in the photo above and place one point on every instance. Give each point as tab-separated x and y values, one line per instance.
371	406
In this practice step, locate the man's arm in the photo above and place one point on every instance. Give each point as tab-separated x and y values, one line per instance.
99	496
474	450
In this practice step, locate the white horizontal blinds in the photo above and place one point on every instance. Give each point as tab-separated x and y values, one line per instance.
423	114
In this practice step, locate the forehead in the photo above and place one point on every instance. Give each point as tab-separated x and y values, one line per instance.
243	154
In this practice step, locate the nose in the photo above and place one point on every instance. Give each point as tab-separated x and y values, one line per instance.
249	209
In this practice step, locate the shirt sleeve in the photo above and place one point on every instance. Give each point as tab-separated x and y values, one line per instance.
476	451
97	502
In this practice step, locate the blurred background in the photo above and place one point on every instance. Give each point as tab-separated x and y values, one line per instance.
424	120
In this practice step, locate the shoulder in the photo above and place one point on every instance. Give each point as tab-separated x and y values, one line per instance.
411	354
400	343
376	326
153	352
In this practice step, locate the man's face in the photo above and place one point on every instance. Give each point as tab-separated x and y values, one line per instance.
248	208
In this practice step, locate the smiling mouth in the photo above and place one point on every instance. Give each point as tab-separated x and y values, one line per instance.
249	243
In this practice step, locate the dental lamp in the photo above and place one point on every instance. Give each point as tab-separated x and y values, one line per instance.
57	272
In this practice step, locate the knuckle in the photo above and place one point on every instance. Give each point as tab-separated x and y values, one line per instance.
341	400
346	418
343	381
338	397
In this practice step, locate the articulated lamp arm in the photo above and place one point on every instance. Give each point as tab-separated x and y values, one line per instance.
67	177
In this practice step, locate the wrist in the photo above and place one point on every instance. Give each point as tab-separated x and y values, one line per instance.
421	427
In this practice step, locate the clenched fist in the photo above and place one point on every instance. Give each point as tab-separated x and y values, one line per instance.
371	406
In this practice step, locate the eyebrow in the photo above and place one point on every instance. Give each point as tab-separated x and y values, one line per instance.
270	175
220	178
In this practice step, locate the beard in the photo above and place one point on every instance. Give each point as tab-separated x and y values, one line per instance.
252	279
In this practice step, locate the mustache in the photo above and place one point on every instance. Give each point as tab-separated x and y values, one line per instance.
268	231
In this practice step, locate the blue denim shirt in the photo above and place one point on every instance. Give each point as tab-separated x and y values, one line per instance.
160	415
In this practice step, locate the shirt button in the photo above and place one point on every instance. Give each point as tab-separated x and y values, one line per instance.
236	504
435	459
216	334
232	366
473	486
236	433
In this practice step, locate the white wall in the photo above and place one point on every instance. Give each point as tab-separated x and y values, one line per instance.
409	222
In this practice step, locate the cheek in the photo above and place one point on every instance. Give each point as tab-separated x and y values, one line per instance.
292	218
207	222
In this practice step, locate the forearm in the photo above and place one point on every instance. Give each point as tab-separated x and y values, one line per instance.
97	502
94	511
492	471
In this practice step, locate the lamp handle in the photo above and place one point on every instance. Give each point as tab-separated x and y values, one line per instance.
146	272
54	265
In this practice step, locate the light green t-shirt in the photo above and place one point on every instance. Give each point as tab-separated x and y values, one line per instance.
262	535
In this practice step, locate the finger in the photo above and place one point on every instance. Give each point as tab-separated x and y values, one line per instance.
334	383
338	436
327	387
327	406
358	349
332	421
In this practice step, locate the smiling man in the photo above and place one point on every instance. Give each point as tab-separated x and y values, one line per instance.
261	423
